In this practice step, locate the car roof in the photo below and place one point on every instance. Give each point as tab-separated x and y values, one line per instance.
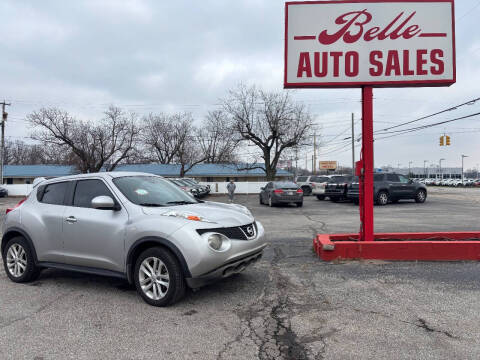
104	175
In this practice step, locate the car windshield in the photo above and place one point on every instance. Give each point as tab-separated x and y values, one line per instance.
152	191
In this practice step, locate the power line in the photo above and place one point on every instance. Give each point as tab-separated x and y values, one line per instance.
418	128
471	102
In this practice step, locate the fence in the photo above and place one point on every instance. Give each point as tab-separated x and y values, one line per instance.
216	188
241	187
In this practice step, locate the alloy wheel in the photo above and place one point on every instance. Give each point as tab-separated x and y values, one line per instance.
383	198
154	278
16	260
421	196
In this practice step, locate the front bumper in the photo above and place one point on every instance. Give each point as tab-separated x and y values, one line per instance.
231	267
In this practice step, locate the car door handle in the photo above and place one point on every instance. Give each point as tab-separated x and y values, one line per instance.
71	219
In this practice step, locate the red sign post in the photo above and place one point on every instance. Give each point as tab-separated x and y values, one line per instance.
366	44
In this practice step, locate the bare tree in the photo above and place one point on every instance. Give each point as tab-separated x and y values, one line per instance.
94	146
271	121
217	141
19	152
162	136
172	139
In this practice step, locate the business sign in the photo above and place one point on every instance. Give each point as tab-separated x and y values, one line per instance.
370	42
327	165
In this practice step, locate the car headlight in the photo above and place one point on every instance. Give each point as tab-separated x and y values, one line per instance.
218	242
187	216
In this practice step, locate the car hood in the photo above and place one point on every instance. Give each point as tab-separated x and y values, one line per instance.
226	215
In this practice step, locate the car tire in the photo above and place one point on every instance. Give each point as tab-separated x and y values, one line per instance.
19	262
270	202
321	197
420	196
300	204
166	285
260	200
382	198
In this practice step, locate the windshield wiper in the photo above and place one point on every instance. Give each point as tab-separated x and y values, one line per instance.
181	202
151	204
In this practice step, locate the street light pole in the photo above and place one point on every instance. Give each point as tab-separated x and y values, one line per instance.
409	167
463	157
425	168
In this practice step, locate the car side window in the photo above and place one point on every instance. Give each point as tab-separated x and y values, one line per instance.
378	177
86	190
393	178
54	193
403	179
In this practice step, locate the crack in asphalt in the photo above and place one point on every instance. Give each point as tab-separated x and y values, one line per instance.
267	325
421	323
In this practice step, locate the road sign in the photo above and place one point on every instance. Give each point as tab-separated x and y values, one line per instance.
370	42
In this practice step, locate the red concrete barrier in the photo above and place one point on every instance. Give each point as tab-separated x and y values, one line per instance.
438	246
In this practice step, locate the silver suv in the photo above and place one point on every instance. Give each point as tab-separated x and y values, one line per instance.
135	226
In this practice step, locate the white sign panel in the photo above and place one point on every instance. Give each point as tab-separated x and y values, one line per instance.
371	42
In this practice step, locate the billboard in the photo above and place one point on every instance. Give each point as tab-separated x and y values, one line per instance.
327	165
354	43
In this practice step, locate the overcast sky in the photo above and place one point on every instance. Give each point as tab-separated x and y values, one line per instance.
152	56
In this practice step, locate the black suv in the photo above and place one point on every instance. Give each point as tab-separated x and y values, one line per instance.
337	186
391	187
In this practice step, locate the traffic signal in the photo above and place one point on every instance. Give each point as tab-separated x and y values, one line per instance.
448	140
441	141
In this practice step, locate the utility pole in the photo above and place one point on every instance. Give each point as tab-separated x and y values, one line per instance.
463	157
314	167
2	146
353	146
409	167
425	168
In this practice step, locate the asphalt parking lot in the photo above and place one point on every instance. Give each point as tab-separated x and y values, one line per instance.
290	305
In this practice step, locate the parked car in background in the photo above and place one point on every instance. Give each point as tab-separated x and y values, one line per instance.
391	188
185	186
203	189
3	192
304	183
135	226
318	183
281	192
337	187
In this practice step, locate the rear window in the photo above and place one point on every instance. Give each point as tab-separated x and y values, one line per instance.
54	193
319	179
335	179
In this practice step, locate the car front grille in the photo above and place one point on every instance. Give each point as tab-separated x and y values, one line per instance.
236	232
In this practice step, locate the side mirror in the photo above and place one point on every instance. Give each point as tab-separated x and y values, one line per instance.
103	203
262	188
